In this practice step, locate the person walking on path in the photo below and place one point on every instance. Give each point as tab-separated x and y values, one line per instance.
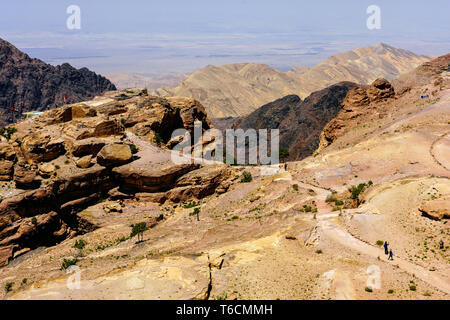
386	251
391	255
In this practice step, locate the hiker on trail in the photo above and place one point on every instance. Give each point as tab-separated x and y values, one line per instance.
391	255
386	251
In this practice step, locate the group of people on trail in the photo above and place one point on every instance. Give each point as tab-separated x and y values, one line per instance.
388	251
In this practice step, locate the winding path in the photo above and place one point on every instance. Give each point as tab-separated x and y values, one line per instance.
441	144
334	232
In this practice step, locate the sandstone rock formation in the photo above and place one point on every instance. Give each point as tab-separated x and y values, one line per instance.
355	104
68	158
31	85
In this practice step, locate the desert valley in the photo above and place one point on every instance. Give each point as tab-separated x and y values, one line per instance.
89	185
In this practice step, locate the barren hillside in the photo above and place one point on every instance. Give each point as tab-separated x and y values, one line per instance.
238	89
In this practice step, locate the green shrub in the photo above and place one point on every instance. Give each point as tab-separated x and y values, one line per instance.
138	229
158	140
134	149
196	212
246	177
191	204
8	132
295	186
68	262
379	243
319	251
368	289
234	218
307	208
336	208
34	220
8	286
412	287
80	244
390	291
356	191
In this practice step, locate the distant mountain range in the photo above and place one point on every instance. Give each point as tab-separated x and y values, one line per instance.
128	80
239	89
28	84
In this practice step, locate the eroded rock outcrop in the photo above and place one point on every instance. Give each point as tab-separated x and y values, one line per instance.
356	103
68	159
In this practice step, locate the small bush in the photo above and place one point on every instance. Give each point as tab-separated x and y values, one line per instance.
68	262
412	287
246	177
34	220
379	243
158	140
191	204
138	229
336	208
295	186
196	212
390	291
8	286
368	289
57	167
319	251
234	218
80	244
134	149
427	294
307	208
356	191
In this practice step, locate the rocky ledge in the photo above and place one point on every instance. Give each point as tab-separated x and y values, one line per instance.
114	147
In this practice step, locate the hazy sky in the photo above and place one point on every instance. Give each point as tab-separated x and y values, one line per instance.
156	37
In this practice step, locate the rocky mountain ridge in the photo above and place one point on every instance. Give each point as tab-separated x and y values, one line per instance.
28	84
239	89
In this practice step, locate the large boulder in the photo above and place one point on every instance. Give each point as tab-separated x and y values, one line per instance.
114	155
25	176
84	162
46	170
42	147
436	209
91	146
